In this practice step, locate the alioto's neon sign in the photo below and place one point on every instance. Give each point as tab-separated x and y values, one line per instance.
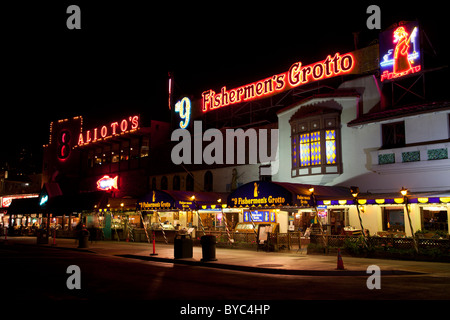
296	75
107	131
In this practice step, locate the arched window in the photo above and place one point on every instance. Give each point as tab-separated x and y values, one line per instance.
153	183
316	141
176	182
164	183
208	181
189	182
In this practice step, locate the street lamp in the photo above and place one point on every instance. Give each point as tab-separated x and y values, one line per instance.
404	193
355	191
314	203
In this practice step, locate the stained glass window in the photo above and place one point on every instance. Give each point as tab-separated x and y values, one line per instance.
330	139
315	148
305	157
294	152
315	144
310	149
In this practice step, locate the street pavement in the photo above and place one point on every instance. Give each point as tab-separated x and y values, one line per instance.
293	262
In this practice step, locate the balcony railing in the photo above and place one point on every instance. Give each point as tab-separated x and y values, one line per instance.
427	157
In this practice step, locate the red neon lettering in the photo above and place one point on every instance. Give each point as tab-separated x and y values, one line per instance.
134	122
327	66
114	125
123	125
280	82
104	131
317	71
296	75
88	136
305	72
80	139
293	77
64	145
347	63
94	134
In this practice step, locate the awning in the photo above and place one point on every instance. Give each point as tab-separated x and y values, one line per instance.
391	198
24	206
279	194
181	200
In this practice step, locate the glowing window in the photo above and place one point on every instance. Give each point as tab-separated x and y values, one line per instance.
330	139
294	152
315	148
305	157
315	141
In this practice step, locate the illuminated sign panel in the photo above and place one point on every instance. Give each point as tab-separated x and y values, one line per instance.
107	131
107	183
297	75
7	200
259	216
400	53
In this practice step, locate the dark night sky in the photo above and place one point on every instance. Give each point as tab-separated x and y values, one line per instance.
117	63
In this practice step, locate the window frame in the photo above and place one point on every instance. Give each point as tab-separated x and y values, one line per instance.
312	124
393	135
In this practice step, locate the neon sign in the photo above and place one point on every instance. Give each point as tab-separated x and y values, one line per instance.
184	108
63	149
107	131
43	200
400	51
296	75
107	183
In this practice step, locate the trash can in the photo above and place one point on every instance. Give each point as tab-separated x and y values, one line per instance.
83	239
183	246
208	243
42	236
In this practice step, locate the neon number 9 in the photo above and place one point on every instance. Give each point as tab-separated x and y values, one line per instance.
184	108
63	145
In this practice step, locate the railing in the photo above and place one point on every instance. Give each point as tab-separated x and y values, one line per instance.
387	242
280	241
424	156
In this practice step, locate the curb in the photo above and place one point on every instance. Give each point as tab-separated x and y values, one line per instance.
216	265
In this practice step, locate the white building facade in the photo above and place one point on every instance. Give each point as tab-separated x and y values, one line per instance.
381	152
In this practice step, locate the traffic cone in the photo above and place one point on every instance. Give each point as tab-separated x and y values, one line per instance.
340	263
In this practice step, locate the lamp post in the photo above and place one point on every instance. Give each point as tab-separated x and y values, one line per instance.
199	219
355	191
224	217
404	193
314	203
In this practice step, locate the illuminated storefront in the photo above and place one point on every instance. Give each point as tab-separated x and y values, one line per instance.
386	214
173	211
291	205
100	170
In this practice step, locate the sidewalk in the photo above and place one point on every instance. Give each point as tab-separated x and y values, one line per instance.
294	263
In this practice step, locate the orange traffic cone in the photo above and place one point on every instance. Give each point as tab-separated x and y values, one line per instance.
340	263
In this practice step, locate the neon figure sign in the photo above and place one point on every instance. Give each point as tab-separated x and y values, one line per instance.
296	75
400	51
107	131
107	183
